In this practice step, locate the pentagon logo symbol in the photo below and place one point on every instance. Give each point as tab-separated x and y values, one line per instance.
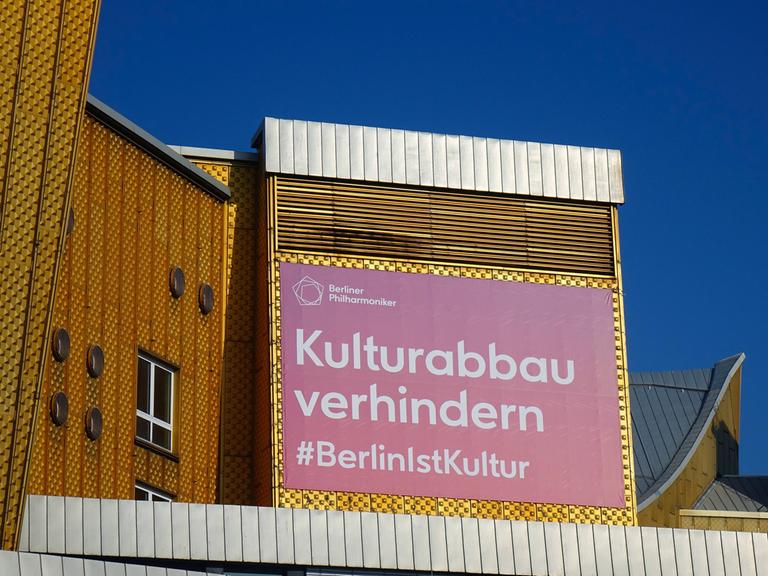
308	292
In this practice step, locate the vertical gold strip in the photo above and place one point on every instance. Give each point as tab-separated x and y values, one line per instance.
43	86
128	323
625	414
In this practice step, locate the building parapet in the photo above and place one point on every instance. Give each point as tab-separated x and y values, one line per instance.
228	536
345	152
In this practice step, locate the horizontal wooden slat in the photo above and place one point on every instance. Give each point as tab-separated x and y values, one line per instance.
437	226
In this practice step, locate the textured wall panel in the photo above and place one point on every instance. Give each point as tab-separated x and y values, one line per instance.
717	519
47	49
238	416
413	224
134	219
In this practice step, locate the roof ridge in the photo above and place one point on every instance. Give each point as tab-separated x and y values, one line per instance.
722	373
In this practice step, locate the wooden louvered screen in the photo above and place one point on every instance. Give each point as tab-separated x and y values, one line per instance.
389	221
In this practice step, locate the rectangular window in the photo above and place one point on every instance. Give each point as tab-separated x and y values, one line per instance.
144	492
154	401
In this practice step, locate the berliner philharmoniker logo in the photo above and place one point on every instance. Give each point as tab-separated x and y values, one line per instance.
308	292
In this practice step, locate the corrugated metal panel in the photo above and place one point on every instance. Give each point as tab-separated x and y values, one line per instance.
376	221
459	162
394	541
668	412
737	493
26	564
661	412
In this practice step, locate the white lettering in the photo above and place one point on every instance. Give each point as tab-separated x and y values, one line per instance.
556	373
305	347
446	356
475	357
334	405
484	415
307	408
523	412
494	360
460	405
541	372
329	355
367	353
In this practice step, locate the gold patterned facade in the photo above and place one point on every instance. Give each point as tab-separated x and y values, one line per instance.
395	503
45	57
105	280
134	220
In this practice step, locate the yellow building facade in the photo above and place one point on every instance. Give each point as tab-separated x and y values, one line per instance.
143	346
134	221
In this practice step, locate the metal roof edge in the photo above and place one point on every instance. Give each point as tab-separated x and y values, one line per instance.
735	484
214	153
723	513
239	539
154	147
435	160
695	435
259	132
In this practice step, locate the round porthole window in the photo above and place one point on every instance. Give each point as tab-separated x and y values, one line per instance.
176	282
60	344
93	423
205	298
59	408
95	361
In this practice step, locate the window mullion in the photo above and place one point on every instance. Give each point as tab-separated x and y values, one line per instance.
149	417
154	420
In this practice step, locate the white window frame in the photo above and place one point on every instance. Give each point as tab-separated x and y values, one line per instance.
160	496
155	362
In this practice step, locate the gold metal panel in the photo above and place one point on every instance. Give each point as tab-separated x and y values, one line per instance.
488	508
96	232
520	511
44	70
133	216
75	318
750	525
387	503
188	374
454	507
585	514
202	434
241	481
552	512
420	505
318	500
509	275
448	506
379	220
292	498
127	224
352	501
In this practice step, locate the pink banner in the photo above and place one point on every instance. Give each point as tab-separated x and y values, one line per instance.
428	385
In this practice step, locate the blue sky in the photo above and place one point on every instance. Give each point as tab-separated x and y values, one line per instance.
680	88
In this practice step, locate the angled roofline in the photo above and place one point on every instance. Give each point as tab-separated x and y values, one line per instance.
735	483
723	513
215	154
697	432
445	161
155	148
